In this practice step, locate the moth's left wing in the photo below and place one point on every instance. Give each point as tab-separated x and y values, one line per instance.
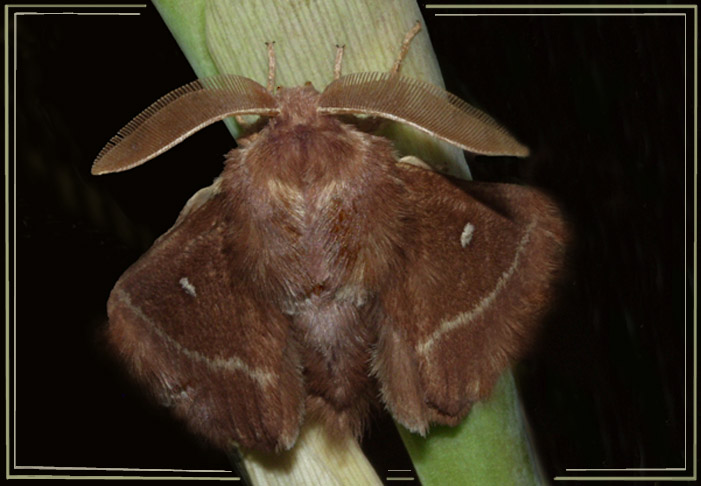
203	339
479	274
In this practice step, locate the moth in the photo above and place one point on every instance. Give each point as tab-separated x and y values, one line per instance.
321	276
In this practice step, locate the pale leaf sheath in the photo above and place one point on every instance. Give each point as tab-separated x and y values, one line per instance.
178	115
423	106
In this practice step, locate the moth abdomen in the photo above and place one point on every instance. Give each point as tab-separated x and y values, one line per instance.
340	388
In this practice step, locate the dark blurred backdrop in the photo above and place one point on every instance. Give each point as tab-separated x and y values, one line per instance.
604	102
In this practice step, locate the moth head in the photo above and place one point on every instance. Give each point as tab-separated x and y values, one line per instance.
186	110
299	103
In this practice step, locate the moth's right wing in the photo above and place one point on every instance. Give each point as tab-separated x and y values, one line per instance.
480	271
203	340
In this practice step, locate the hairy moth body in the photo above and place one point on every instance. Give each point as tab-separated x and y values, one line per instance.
319	275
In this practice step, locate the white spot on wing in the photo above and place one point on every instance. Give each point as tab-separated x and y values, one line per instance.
188	287
466	318
466	235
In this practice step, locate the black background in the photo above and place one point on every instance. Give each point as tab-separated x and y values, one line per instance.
603	102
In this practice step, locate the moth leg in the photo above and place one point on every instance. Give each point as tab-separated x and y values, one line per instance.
250	126
271	66
415	161
338	62
405	47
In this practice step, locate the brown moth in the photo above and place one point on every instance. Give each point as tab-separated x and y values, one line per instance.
320	276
